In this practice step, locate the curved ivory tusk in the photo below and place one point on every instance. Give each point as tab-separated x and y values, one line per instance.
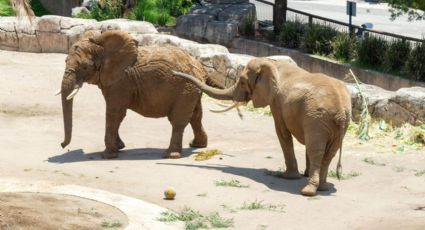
235	105
72	94
59	91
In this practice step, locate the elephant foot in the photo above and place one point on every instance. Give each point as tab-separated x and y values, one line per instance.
324	186
199	143
309	190
171	155
291	175
109	154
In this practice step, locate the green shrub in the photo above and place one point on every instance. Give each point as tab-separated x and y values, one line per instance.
248	26
38	8
416	63
6	8
344	47
318	39
397	55
291	33
110	9
371	51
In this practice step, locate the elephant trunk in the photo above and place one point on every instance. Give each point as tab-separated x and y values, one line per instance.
221	94
68	85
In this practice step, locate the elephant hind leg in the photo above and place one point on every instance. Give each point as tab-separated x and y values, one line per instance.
315	148
200	139
331	151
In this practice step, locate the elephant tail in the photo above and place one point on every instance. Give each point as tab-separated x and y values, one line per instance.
339	165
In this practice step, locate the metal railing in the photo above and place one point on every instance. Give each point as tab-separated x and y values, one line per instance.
293	14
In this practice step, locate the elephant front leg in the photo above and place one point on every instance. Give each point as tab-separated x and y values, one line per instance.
175	149
113	141
285	139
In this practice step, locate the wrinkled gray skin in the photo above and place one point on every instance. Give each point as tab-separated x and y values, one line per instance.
135	78
313	108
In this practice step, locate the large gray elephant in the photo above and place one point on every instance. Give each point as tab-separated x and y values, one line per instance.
314	108
139	79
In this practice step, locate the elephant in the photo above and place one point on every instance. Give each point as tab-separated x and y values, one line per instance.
135	78
312	107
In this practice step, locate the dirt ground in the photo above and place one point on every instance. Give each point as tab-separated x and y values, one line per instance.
34	211
388	193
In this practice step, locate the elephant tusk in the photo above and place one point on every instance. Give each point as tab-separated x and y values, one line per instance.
72	94
235	105
59	91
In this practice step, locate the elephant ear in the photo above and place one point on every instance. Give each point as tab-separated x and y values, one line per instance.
263	82
119	52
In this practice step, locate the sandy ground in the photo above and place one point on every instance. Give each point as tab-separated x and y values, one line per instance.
31	129
34	211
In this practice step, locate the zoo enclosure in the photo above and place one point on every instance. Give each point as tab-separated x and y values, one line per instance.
293	14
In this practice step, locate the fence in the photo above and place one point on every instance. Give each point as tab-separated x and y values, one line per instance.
293	14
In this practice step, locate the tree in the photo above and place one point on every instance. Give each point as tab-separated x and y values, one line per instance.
413	8
279	14
22	8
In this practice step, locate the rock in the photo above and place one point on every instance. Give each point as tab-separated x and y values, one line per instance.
29	43
193	26
413	100
49	23
132	27
240	15
221	32
8	36
79	10
53	42
68	23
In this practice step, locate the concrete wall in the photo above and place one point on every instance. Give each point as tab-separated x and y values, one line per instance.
60	7
317	65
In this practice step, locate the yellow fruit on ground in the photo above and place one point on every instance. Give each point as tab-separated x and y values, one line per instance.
170	193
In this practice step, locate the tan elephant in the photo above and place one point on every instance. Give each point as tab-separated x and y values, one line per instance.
314	108
139	79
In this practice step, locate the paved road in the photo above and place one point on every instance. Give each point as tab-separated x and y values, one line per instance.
335	9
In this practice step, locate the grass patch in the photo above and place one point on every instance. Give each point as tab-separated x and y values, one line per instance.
398	169
263	111
344	176
202	194
195	220
269	157
277	173
111	224
372	162
231	183
419	173
6	8
206	154
259	205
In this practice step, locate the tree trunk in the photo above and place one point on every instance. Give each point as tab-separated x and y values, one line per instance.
279	14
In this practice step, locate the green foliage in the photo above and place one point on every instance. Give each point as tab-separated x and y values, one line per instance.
109	10
6	8
318	39
416	63
231	183
195	220
248	26
397	55
291	33
371	51
160	12
344	176
257	205
344	47
111	224
372	161
38	8
409	7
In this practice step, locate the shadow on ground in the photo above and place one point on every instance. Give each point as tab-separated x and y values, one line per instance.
131	154
260	176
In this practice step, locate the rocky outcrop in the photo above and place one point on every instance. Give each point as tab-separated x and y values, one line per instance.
217	21
406	105
56	34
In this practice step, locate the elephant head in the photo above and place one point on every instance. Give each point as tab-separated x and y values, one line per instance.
257	82
99	59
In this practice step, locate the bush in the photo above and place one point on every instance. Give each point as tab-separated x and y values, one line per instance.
291	34
6	8
248	25
344	47
397	55
110	9
318	39
371	51
416	63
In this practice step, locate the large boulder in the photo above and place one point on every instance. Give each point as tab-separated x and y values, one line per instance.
8	36
216	21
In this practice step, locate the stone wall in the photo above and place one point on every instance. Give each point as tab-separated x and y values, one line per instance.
320	65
